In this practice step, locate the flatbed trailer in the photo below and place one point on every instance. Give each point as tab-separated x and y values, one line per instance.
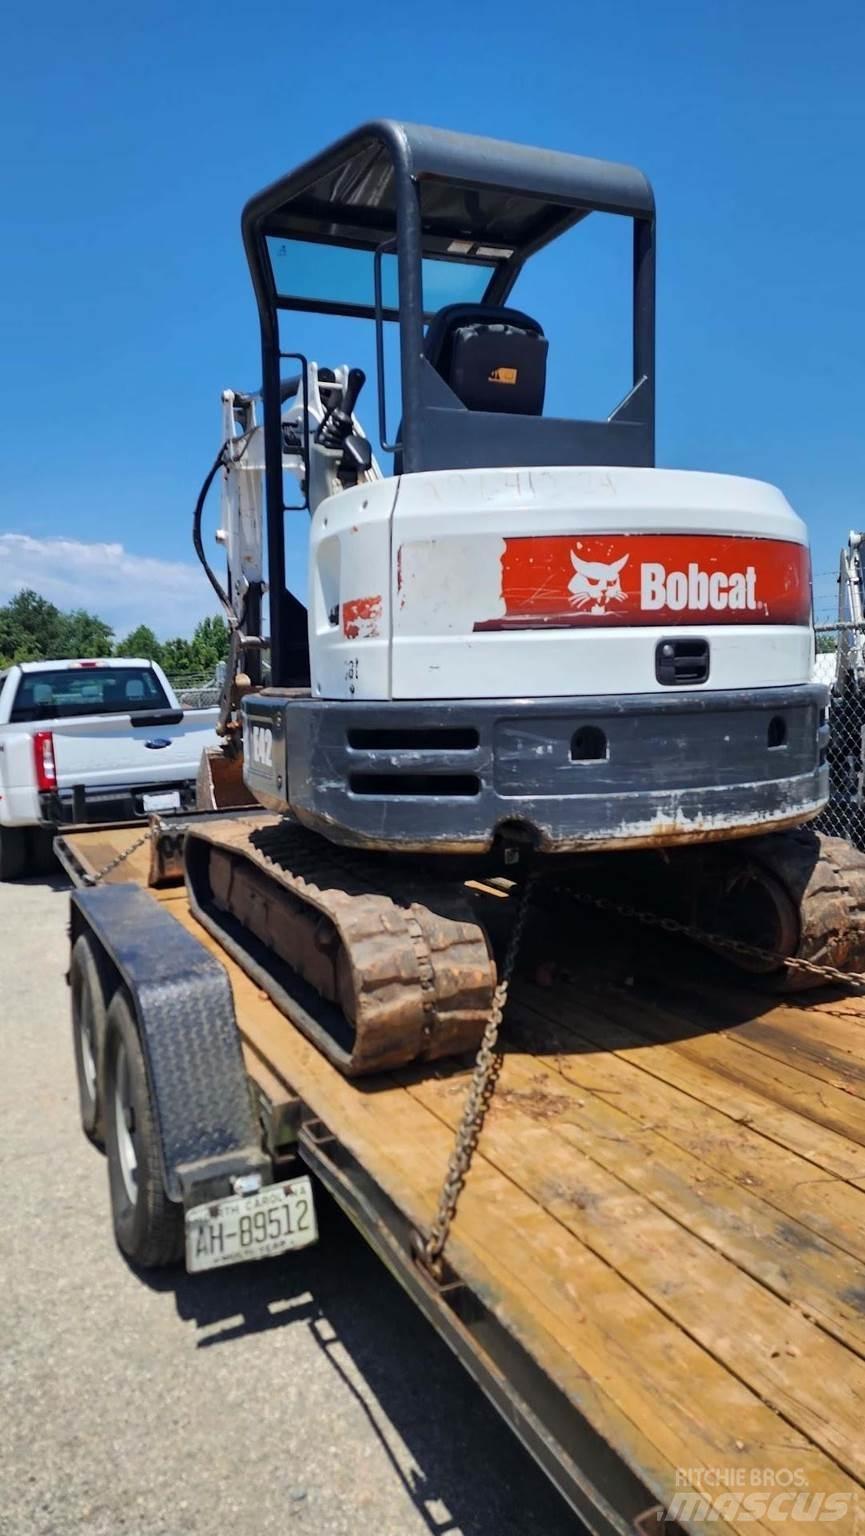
655	1271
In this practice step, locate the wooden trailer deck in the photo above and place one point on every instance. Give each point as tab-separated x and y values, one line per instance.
666	1212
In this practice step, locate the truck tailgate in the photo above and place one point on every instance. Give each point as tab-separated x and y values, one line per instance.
131	749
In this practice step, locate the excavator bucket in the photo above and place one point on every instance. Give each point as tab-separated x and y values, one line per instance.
220	786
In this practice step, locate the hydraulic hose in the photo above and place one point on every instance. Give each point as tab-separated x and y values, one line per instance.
219	462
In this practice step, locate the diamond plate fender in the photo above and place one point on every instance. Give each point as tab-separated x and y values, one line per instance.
184	1009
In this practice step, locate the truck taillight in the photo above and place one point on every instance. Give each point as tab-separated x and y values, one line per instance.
43	753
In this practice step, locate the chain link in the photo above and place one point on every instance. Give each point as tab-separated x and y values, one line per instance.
487	1067
108	869
717	941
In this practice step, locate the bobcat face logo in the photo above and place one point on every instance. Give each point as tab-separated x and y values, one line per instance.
594	587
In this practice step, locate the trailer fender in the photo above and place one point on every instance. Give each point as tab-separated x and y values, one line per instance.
183	1008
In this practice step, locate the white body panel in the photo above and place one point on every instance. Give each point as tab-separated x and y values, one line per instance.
97	749
402	572
350	573
562	664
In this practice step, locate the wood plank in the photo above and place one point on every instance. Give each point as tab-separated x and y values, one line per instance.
827	1043
824	1050
643	1382
832	1209
771	1246
788	1362
775	1075
275	1090
848	1006
697	985
613	1022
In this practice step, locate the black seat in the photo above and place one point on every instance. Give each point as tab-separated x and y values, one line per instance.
494	359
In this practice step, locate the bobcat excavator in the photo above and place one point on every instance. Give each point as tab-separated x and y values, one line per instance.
525	648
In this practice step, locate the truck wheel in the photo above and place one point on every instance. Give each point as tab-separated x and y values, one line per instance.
42	855
13	852
87	997
147	1225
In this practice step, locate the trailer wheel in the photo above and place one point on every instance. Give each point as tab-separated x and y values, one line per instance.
13	852
147	1225
87	996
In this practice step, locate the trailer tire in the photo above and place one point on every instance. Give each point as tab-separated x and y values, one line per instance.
13	852
148	1227
87	995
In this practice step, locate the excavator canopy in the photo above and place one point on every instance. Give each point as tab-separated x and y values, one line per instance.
473	209
397	222
430	229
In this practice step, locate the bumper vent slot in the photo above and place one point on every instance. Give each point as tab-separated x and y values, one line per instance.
682	663
447	738
426	786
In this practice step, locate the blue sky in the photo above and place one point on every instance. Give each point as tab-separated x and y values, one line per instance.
131	136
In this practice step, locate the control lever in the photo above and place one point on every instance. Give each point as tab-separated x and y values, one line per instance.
337	426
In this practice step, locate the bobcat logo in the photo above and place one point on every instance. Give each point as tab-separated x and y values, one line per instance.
594	587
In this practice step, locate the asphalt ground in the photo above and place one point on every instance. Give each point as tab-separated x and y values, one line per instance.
304	1394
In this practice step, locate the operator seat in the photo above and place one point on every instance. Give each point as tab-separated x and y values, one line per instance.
494	359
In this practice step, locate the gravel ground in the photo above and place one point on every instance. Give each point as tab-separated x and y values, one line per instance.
303	1394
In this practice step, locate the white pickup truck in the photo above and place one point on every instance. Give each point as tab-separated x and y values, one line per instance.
90	741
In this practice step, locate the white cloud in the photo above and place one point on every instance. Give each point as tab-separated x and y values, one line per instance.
122	588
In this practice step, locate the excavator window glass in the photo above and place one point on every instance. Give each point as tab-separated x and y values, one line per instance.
580	287
317	273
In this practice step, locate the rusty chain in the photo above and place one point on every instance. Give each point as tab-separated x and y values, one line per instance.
107	869
153	827
486	1070
719	941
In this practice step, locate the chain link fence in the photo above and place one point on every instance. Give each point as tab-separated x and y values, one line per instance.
838	648
196	691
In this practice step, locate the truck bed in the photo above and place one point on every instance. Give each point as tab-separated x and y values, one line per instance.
663	1232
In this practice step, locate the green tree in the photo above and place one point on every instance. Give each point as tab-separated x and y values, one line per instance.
209	644
83	634
33	629
30	628
177	658
140	642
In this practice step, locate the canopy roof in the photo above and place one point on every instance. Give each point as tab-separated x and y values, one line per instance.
482	201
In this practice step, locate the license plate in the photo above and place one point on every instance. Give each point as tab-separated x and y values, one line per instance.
168	801
259	1226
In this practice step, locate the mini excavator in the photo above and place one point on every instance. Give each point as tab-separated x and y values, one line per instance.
525	646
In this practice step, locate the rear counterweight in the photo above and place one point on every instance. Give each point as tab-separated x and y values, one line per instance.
578	773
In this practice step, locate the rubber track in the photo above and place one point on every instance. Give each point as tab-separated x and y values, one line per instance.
825	878
395	966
